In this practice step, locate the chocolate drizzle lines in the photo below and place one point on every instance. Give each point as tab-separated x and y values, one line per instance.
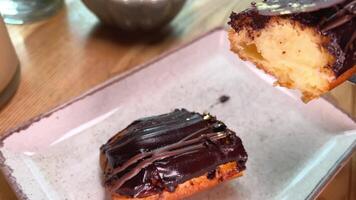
158	153
181	147
140	156
350	43
153	129
336	23
340	17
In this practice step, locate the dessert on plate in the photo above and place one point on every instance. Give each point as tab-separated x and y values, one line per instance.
307	45
171	156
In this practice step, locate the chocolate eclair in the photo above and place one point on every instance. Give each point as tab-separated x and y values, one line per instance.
170	156
307	45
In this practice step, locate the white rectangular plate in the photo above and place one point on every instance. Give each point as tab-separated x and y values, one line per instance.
294	148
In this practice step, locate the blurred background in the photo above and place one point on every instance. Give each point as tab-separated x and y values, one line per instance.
63	50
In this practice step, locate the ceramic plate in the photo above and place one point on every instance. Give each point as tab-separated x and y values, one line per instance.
294	148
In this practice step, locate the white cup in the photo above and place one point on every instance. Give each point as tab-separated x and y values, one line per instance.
9	66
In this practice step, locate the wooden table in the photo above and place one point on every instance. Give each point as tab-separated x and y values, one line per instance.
67	54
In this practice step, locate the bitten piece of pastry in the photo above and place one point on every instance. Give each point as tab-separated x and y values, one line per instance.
171	156
306	45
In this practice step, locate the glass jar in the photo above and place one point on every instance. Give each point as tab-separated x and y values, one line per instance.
22	11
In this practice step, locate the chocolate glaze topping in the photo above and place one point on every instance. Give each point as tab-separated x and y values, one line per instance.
334	19
158	153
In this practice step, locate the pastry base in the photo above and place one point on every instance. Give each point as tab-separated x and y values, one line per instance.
223	173
291	52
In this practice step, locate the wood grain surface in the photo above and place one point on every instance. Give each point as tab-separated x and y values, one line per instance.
67	54
71	52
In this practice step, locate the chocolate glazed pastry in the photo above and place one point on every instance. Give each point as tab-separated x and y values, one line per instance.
306	45
171	156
